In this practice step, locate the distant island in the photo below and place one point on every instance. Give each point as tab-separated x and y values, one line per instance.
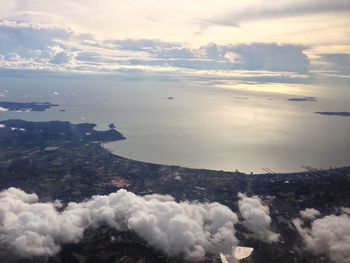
302	99
26	106
334	113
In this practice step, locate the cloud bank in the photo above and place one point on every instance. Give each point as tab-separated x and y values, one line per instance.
328	235
37	46
257	218
51	47
33	228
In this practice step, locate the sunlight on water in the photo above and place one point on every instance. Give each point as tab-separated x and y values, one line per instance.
245	126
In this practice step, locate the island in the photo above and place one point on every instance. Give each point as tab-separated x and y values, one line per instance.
26	106
334	113
65	161
302	99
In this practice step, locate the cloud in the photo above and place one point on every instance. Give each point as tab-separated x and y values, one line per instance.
328	235
3	109
155	48
256	56
33	42
281	9
345	210
32	228
309	213
37	46
338	63
273	57
61	57
257	218
29	35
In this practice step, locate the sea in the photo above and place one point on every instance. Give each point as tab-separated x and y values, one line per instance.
221	125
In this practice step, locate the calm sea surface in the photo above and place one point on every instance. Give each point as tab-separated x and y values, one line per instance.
226	126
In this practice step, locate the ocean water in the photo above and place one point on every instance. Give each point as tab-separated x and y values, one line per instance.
221	125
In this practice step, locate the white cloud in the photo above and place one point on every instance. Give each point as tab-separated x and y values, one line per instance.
257	218
39	46
328	235
33	43
31	227
309	213
346	210
29	35
3	109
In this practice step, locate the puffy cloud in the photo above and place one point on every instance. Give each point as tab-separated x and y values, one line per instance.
257	218
31	227
309	213
328	235
29	35
33	42
346	210
27	226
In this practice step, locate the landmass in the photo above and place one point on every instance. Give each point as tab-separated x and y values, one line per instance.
334	113
60	160
302	99
26	106
112	126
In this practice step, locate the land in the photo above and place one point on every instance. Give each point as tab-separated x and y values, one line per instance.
334	113
60	160
26	106
302	99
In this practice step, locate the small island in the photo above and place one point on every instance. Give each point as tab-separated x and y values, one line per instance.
26	106
334	113
302	99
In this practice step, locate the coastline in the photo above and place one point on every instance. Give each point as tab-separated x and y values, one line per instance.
58	160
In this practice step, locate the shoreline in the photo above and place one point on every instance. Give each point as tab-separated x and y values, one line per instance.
304	171
59	160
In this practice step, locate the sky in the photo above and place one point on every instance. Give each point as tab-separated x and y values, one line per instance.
290	40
